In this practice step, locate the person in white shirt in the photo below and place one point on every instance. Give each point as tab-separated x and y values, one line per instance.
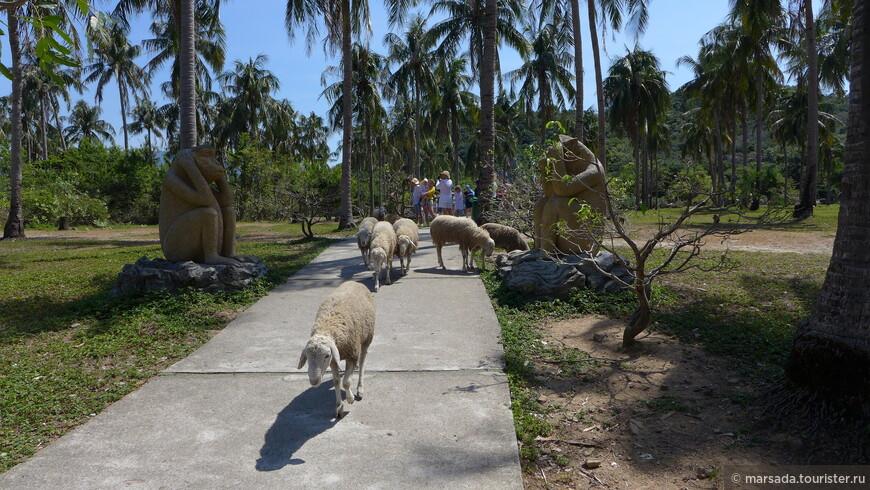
416	194
445	187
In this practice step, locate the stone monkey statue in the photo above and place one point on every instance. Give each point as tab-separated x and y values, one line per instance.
568	172
197	219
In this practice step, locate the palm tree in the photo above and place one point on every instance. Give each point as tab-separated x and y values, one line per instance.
148	119
831	351
454	98
340	18
611	14
249	87
809	185
14	227
85	123
413	76
637	101
114	57
545	71
187	73
760	21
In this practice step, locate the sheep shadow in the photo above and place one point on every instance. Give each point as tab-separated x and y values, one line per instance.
307	416
437	270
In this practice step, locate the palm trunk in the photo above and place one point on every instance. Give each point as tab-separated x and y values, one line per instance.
810	183
417	125
187	58
759	122
370	160
831	352
745	121
346	213
733	183
123	96
599	85
57	125
454	142
14	227
43	121
578	68
487	106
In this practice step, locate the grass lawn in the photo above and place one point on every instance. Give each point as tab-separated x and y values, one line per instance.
67	349
824	219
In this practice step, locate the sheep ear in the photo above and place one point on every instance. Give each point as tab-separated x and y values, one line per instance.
334	350
302	359
413	248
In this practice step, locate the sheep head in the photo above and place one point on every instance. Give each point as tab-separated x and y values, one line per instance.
319	352
487	248
406	246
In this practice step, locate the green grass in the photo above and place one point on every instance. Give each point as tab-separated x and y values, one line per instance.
68	349
824	219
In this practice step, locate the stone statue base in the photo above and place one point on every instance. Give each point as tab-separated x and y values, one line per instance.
535	273
160	274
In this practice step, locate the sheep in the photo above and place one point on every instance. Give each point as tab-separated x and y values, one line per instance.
506	237
449	229
382	247
407	239
343	330
364	236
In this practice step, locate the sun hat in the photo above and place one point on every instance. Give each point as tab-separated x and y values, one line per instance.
425	180
467	186
444	172
415	181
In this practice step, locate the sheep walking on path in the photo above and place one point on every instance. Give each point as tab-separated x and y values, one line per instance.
470	237
506	237
343	330
407	240
363	238
382	247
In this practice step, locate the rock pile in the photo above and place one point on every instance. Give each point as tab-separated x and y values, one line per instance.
161	274
537	273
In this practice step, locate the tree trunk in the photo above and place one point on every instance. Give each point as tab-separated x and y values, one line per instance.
14	227
487	107
831	352
759	123
417	125
370	160
745	135
810	183
346	213
186	64
599	85
578	68
57	125
733	184
123	97
640	319
43	121
454	142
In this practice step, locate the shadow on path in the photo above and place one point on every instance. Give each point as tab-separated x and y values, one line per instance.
307	416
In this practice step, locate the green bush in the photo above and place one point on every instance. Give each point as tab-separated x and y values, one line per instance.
46	205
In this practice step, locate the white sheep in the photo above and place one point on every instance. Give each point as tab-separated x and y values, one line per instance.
407	240
506	237
343	330
470	237
382	247
364	236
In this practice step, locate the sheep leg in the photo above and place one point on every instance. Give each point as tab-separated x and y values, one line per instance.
464	258
349	367
408	264
359	384
440	262
402	264
336	381
389	269
377	278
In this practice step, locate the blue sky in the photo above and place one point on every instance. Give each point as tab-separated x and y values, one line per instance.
257	26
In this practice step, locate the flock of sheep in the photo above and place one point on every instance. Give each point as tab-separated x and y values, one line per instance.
345	322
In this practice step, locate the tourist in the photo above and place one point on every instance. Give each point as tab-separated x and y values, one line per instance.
428	194
416	200
445	200
459	200
469	195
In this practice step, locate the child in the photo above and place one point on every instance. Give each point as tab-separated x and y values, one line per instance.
459	199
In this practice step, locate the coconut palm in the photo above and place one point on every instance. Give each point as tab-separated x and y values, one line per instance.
545	73
148	119
453	99
609	13
85	123
637	100
831	351
411	53
341	18
114	57
249	87
14	227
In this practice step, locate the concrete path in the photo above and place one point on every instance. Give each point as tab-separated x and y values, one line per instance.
238	414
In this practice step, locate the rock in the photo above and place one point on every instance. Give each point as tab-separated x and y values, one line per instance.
599	337
592	463
161	274
543	278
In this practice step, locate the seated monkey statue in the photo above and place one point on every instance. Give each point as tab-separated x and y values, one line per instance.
197	219
570	176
